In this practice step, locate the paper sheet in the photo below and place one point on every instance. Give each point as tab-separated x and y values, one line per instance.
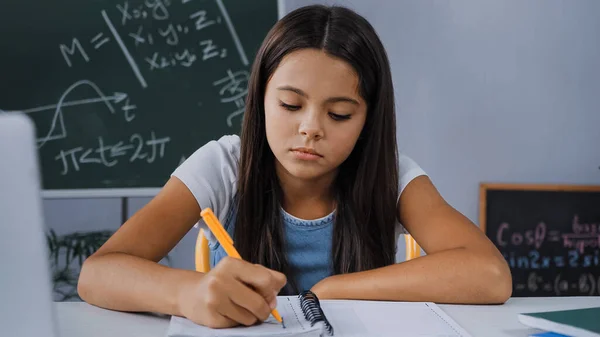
374	318
348	318
288	307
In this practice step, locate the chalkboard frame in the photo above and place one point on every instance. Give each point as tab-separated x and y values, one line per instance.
485	187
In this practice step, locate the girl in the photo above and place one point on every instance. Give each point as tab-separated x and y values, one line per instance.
313	192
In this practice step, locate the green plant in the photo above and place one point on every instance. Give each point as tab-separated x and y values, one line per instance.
67	253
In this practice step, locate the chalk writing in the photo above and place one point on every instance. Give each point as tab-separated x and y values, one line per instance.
581	241
210	50
99	40
581	237
184	59
233	32
157	8
583	284
533	237
170	35
139	37
124	9
551	255
57	129
127	109
132	87
234	88
64	50
201	20
135	149
534	260
585	228
126	53
183	29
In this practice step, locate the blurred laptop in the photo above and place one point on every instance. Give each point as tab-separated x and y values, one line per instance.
26	305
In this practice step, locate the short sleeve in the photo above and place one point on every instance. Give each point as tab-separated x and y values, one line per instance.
210	174
408	170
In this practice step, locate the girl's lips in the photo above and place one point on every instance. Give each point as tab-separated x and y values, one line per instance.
306	155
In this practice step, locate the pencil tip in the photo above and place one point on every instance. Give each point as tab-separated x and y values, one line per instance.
282	322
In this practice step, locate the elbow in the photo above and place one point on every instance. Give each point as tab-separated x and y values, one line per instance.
500	282
85	280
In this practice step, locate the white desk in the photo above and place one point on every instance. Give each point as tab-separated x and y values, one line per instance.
80	319
502	321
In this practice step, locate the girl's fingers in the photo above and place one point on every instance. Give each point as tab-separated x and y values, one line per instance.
234	312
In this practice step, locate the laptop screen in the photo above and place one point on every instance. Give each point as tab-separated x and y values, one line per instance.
26	308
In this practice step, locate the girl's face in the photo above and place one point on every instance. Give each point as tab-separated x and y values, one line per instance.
313	113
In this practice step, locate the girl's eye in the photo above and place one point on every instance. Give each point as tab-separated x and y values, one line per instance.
338	117
289	106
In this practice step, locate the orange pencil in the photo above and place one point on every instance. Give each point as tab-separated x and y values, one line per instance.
225	240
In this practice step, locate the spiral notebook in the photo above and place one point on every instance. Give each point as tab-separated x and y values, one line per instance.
306	316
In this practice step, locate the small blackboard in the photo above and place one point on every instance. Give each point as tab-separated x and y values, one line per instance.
548	234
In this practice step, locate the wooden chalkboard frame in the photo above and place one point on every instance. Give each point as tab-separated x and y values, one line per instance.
485	187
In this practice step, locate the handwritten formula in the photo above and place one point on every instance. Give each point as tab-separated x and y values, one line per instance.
549	235
582	237
574	251
136	84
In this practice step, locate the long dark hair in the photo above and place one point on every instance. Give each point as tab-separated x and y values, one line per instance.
367	182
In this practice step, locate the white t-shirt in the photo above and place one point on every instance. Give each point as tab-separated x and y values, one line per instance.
210	173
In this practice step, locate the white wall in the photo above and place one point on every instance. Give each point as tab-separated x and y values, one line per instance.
487	90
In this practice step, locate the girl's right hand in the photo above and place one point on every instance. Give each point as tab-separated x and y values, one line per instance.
234	292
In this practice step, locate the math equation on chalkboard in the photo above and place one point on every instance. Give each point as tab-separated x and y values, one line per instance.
548	235
123	91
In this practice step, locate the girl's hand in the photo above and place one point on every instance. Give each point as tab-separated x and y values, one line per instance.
234	292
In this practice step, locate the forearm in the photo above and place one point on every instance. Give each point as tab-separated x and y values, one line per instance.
124	282
452	276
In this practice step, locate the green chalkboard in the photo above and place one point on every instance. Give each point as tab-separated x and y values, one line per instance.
122	91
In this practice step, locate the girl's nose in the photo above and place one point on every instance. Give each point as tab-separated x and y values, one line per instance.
310	127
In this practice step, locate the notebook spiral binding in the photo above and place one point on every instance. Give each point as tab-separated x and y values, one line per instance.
309	303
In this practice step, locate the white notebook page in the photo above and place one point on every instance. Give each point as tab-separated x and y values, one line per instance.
288	307
375	318
348	318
